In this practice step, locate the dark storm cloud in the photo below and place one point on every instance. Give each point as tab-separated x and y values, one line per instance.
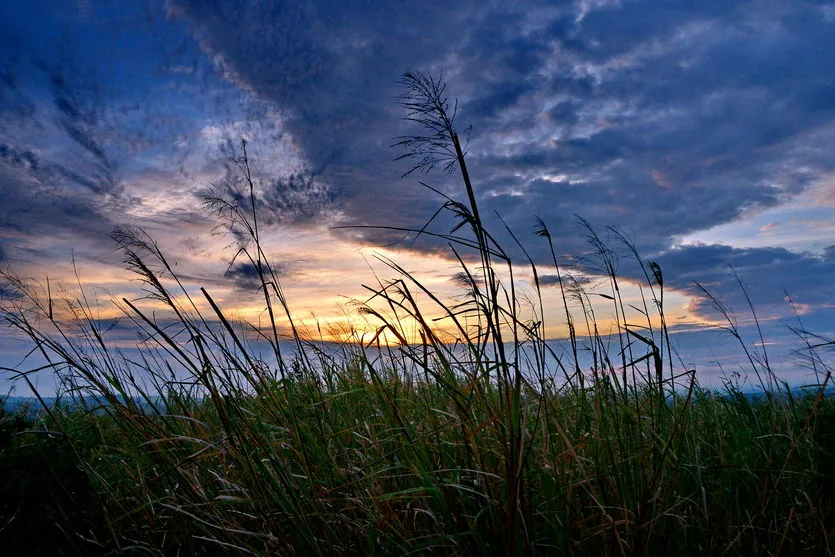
30	209
246	277
662	117
332	70
767	273
695	119
567	280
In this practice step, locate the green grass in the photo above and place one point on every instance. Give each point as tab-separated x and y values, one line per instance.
384	466
474	441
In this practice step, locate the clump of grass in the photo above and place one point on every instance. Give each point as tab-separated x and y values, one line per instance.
478	439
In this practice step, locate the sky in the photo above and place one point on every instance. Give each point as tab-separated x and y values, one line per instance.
703	130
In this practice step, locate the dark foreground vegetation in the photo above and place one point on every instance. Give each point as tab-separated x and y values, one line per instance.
462	433
374	465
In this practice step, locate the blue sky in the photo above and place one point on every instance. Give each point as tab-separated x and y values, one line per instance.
703	129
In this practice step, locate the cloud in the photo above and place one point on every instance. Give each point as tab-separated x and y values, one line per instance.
36	219
100	176
663	118
294	199
246	277
660	118
567	279
81	114
650	115
331	69
767	273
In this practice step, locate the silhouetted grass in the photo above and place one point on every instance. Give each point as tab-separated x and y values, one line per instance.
475	439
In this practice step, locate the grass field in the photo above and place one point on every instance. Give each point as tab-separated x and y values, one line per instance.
473	440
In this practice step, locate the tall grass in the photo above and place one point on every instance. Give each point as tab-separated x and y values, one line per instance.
455	429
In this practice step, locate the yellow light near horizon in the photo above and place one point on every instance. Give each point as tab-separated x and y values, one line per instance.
324	289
